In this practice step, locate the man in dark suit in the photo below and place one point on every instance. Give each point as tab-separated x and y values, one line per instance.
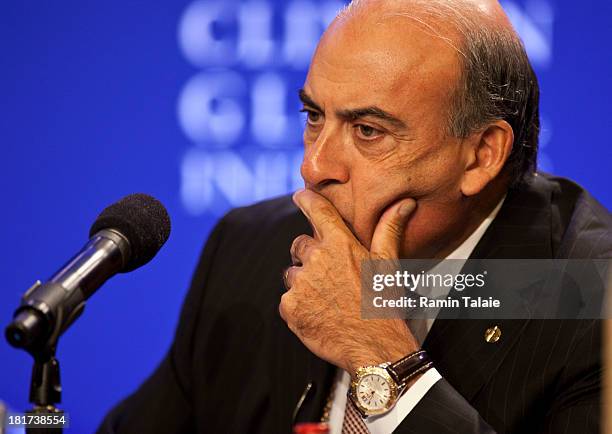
421	139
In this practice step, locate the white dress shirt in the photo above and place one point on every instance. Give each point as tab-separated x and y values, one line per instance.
386	423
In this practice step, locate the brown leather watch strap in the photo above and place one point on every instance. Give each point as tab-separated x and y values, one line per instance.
408	367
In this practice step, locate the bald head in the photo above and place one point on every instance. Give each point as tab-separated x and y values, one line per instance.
431	13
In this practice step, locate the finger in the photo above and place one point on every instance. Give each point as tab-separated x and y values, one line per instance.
299	249
389	232
322	215
289	276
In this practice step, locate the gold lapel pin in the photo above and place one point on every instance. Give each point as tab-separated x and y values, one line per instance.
492	334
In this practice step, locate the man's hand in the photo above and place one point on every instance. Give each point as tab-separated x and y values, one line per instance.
323	303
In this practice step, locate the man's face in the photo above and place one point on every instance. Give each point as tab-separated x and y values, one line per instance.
377	97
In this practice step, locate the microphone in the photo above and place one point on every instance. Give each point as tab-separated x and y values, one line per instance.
125	236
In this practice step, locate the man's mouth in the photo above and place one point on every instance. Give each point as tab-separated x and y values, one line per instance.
378	215
392	202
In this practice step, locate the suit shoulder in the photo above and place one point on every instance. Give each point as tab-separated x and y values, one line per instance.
275	214
586	223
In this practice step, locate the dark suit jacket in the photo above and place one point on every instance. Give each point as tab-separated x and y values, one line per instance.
234	366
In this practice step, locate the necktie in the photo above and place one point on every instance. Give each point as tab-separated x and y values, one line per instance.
353	423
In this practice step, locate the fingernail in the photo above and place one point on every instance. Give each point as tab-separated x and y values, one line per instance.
295	194
405	209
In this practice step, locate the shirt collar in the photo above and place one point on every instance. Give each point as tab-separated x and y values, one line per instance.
467	247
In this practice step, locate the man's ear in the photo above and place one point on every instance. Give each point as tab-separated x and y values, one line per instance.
487	156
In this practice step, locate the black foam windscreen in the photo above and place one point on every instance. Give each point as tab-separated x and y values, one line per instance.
143	220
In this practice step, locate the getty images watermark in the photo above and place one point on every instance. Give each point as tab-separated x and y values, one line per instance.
486	289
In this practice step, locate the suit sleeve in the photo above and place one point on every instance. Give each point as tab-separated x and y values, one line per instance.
162	404
443	411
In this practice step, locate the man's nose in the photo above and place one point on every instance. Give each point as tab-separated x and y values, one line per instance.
324	163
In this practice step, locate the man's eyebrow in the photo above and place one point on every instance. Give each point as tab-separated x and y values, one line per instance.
355	114
307	100
372	111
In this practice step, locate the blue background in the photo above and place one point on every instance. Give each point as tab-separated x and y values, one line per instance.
102	99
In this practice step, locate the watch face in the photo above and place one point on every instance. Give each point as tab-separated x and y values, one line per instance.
373	392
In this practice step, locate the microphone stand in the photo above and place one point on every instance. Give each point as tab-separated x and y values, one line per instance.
45	384
45	390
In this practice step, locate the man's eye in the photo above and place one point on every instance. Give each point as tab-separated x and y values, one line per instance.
367	132
312	117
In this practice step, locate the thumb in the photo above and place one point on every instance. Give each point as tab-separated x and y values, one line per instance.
389	232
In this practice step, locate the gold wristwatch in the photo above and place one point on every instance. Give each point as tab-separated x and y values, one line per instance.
375	389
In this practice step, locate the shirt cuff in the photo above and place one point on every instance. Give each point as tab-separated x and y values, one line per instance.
388	422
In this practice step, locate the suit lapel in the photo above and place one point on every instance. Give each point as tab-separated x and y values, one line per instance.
522	229
308	379
303	393
299	380
316	390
